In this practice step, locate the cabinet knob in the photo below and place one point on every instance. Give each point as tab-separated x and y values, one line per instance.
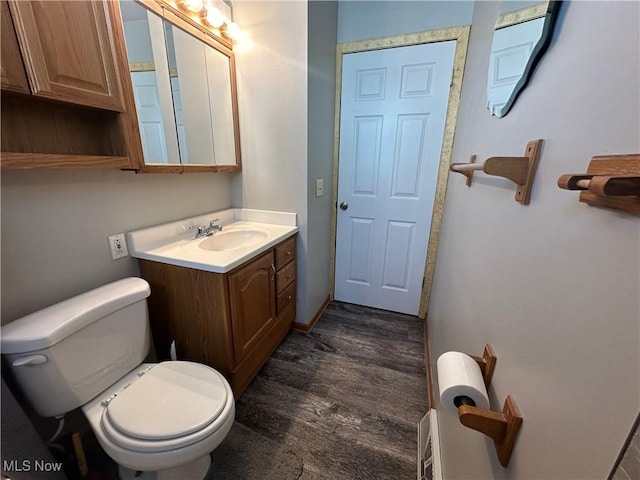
289	297
288	276
289	252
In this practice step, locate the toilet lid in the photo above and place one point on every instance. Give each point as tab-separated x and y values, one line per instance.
171	400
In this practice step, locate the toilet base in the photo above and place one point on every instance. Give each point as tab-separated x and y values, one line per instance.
195	470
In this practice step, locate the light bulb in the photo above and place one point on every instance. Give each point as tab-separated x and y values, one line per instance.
214	17
232	30
194	6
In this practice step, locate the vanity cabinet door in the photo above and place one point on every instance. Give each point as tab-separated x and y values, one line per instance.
12	74
68	51
252	302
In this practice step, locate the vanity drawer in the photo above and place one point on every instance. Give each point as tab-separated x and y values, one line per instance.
285	276
285	252
287	297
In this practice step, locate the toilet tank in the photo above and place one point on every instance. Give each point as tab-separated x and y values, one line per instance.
64	355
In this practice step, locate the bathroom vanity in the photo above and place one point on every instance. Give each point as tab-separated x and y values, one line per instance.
229	307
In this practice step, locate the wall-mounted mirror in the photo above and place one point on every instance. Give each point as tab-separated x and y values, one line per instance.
185	91
522	34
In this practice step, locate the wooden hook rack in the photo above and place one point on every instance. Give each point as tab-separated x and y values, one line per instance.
611	181
520	170
502	428
487	363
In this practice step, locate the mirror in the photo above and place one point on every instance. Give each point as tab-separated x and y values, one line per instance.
522	34
150	77
184	89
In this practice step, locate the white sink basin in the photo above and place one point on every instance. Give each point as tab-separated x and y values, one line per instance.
246	233
231	240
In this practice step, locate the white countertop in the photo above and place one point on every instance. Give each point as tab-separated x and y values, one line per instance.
174	242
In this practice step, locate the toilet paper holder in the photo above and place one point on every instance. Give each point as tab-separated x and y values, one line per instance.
502	427
487	363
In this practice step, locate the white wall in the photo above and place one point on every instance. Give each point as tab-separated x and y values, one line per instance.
55	226
272	84
553	286
359	20
320	134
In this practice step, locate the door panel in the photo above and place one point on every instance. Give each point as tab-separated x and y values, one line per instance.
361	237
393	111
366	155
397	255
408	157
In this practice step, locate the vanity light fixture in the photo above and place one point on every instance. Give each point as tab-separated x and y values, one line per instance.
231	30
211	16
194	6
214	18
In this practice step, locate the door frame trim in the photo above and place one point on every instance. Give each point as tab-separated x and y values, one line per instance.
461	37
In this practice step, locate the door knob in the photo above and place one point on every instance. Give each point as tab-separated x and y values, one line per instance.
344	206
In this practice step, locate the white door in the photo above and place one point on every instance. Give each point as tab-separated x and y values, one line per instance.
147	98
393	112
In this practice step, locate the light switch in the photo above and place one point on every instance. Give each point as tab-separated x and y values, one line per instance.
319	187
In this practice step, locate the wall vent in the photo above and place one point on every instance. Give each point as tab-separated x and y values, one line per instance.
429	462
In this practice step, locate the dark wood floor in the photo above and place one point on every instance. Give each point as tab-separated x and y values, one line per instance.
347	397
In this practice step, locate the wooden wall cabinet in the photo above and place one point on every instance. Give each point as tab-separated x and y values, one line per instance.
231	321
67	100
67	52
12	74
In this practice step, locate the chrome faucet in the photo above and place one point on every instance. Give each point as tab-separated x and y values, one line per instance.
204	231
214	226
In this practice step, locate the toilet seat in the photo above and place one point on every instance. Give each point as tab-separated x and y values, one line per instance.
171	405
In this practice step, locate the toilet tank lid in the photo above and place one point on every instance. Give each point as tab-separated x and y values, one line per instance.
48	326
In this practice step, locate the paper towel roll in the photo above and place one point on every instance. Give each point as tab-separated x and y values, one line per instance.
460	375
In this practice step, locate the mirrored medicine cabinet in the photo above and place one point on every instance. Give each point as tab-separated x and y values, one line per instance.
184	86
522	34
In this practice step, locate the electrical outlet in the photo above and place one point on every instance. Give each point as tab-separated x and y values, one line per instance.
319	187
118	246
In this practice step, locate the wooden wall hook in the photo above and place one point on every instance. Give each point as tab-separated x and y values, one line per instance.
502	428
520	170
611	181
487	363
608	185
467	173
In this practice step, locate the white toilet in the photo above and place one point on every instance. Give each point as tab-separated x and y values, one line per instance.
161	419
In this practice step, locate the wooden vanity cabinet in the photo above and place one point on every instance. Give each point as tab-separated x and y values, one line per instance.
67	99
231	321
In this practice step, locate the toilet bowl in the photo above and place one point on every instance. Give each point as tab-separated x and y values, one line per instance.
163	416
156	421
